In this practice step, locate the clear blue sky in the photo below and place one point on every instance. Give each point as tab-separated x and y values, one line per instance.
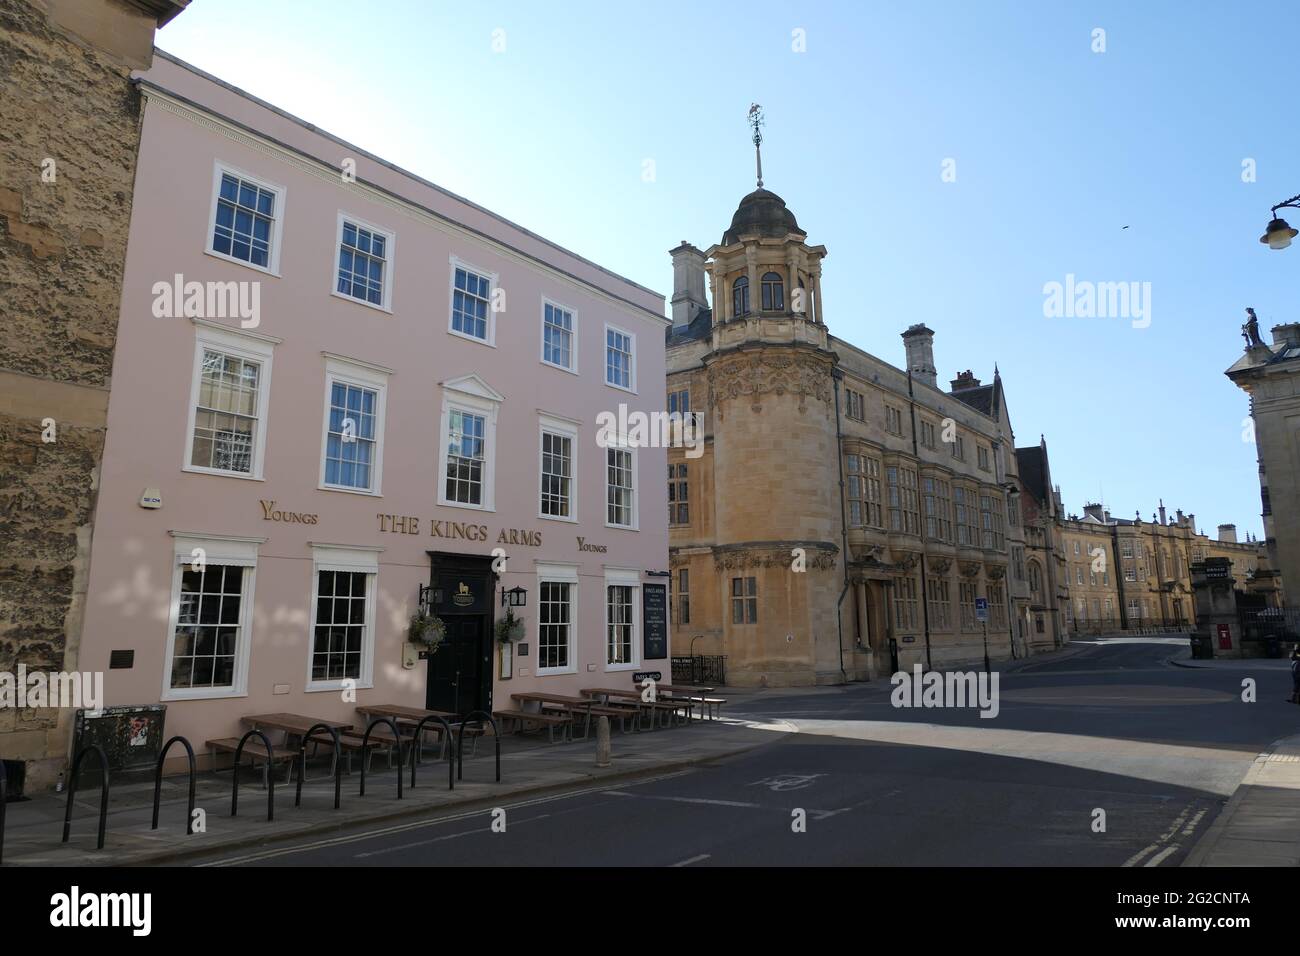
1057	148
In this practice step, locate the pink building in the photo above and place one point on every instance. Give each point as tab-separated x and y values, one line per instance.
336	384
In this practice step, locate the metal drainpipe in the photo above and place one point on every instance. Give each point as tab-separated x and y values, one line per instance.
836	377
925	597
1119	576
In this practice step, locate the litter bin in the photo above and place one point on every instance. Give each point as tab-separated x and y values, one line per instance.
1201	647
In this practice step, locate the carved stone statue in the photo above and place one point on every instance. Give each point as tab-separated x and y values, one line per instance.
1250	331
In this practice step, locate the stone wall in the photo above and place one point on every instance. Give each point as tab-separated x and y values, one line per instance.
69	130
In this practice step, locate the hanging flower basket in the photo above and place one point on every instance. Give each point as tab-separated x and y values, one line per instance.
510	628
427	630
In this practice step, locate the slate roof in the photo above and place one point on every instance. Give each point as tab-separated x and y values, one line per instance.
698	329
1032	465
980	398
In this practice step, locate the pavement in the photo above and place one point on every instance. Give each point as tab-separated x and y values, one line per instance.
530	767
1260	826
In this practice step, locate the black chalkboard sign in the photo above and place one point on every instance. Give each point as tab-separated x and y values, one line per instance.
654	616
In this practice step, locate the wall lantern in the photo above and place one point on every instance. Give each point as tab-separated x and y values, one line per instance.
515	597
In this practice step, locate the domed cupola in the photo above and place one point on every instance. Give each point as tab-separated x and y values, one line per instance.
762	213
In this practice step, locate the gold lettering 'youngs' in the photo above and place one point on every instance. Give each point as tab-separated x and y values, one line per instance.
271	513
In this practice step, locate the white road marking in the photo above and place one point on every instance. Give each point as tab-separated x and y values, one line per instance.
1164	838
443	839
694	859
1187	830
704	800
1162	855
1137	857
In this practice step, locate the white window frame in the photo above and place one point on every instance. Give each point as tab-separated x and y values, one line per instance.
272	268
390	260
339	368
567	428
217	549
458	263
621	577
252	346
559	574
572	368
631	362
636	487
354	558
472	395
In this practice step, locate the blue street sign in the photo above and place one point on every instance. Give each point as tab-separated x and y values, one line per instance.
981	609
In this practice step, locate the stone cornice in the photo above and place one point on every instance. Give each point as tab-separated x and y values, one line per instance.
817	555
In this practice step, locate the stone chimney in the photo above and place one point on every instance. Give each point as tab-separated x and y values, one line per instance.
919	342
1163	520
1191	522
965	380
1286	334
1094	510
1228	533
688	284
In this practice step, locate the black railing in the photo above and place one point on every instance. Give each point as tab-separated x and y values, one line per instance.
157	783
338	763
447	740
365	750
700	669
477	716
1271	626
269	774
103	792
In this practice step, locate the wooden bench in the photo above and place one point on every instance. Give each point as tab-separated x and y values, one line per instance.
446	741
254	748
588	711
550	721
669	706
707	704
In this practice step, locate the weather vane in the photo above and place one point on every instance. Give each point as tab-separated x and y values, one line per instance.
756	123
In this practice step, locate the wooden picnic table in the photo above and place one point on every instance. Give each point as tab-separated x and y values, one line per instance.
683	690
401	713
634	695
405	716
566	702
293	725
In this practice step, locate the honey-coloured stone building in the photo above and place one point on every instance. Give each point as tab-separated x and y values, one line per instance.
845	515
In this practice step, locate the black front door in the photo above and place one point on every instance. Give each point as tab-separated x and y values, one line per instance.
456	669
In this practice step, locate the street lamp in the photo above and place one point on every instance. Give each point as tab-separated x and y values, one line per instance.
1278	234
